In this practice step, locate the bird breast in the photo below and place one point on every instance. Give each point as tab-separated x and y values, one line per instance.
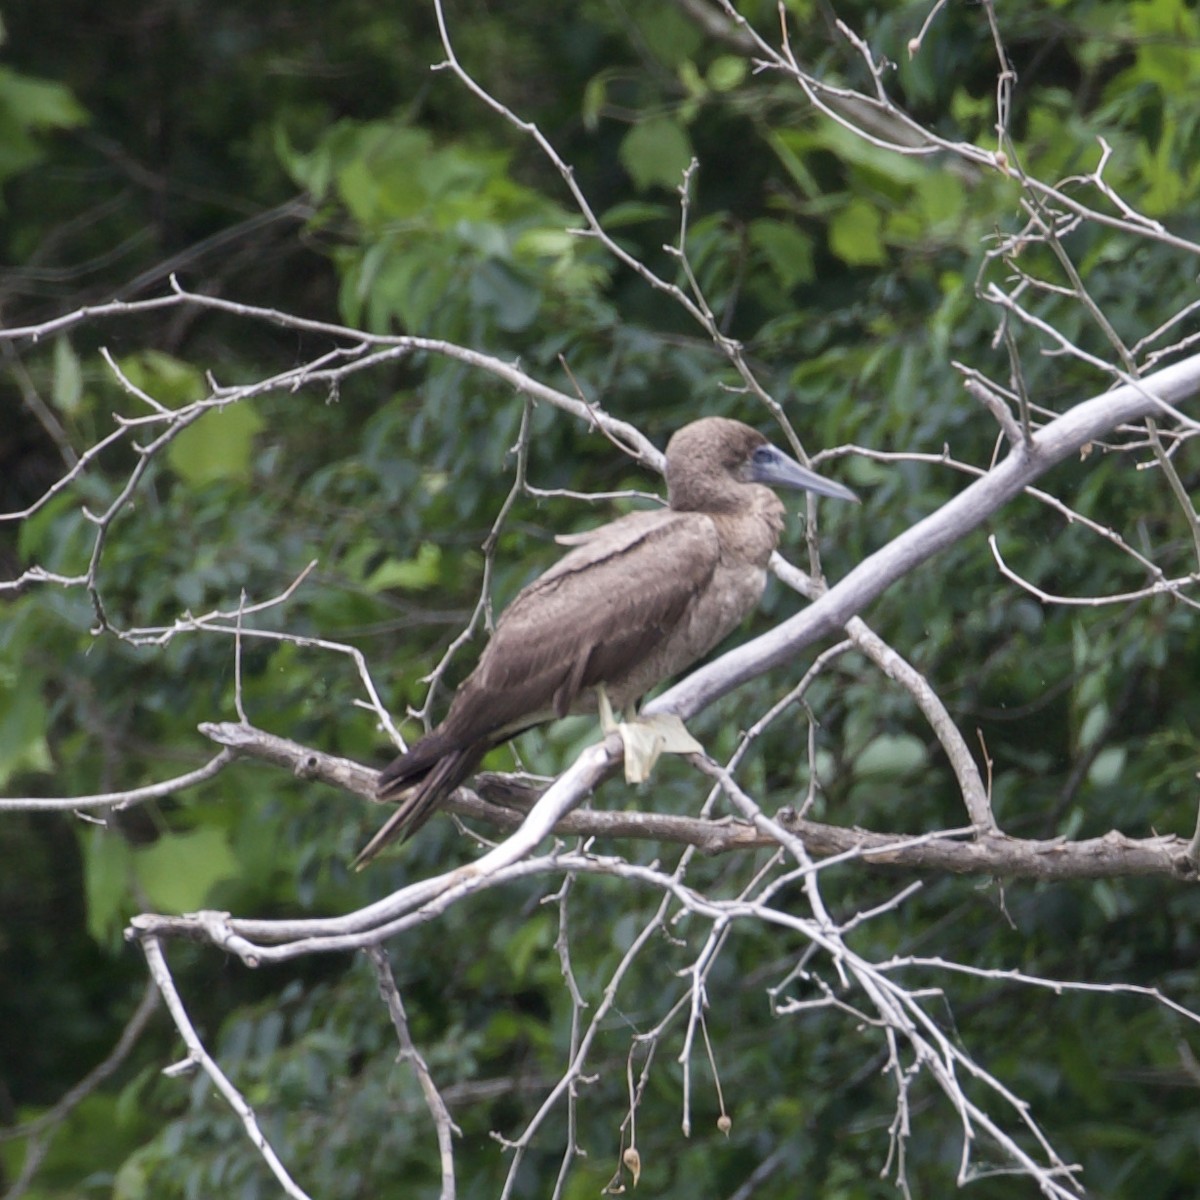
714	615
732	592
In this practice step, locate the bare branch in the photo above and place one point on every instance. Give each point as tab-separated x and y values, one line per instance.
994	854
1053	443
198	1056
125	799
444	1124
1158	588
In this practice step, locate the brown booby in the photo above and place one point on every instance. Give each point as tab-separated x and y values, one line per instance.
635	602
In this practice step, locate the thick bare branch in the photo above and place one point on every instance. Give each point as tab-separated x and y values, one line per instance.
994	854
1052	444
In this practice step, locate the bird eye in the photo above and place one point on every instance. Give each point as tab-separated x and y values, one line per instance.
763	454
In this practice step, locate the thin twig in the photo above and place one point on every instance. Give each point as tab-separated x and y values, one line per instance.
39	1133
443	1123
198	1056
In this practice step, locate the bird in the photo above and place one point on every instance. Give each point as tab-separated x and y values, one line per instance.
633	603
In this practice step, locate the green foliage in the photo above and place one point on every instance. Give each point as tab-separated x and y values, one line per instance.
656	153
30	109
437	221
175	874
23	724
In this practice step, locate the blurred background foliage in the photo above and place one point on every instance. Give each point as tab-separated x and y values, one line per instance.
304	157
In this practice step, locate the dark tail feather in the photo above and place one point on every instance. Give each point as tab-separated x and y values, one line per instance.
408	769
420	787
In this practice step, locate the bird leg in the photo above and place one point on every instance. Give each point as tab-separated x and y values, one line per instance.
645	738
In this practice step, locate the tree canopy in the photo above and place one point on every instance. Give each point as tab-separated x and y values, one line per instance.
321	322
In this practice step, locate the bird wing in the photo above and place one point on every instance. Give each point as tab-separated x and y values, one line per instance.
590	619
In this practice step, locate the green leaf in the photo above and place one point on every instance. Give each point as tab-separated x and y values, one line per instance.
787	251
23	724
107	862
1166	187
67	388
179	871
891	754
176	874
412	574
1093	726
789	146
546	243
689	76
29	107
376	171
1107	767
217	446
38	103
633	212
595	97
880	167
129	1183
170	380
854	235
656	153
727	72
529	943
666	32
941	197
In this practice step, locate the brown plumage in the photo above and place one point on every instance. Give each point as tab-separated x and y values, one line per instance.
635	602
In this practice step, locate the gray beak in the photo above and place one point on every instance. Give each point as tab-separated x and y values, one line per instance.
776	469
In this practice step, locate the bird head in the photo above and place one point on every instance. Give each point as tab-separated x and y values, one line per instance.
708	460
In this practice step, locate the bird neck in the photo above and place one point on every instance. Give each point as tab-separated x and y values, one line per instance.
750	531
